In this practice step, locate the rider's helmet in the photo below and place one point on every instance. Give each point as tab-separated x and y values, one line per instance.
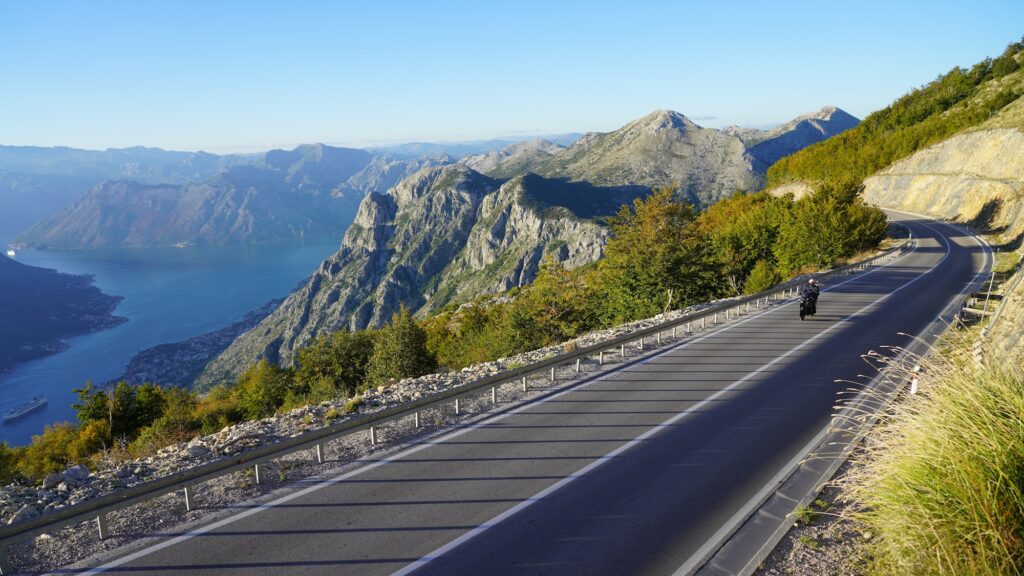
812	282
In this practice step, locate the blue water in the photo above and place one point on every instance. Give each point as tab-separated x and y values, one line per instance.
169	294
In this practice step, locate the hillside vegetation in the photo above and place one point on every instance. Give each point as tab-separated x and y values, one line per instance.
958	100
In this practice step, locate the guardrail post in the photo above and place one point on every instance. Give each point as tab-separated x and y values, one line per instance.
673	332
319	453
659	338
703	322
552	373
188	498
641	343
600	359
578	360
416	419
256	473
494	394
101	526
716	318
622	350
524	384
456	407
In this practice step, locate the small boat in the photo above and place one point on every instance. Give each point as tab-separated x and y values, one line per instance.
10	252
18	412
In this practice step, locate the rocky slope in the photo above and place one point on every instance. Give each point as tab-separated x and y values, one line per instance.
974	176
659	149
446	233
519	158
666	147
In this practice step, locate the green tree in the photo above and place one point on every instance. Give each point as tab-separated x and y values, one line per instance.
262	389
557	306
762	277
654	260
400	351
49	452
334	364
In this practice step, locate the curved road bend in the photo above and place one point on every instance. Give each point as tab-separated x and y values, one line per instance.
630	473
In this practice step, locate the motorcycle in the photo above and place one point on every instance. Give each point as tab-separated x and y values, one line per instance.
808	305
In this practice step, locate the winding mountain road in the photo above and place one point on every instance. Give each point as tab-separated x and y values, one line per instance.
631	472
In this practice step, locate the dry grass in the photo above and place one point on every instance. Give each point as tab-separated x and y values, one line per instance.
942	483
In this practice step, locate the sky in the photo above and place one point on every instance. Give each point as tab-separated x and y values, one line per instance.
227	75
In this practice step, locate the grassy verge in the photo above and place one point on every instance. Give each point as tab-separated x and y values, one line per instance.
942	484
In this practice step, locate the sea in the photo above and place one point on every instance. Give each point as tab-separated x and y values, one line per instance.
169	294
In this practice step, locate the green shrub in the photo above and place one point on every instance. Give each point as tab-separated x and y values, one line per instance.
400	351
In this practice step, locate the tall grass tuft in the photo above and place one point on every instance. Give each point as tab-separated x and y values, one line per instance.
942	483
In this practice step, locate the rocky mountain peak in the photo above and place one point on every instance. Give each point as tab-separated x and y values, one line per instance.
661	120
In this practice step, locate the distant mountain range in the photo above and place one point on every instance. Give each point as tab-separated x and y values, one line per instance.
309	193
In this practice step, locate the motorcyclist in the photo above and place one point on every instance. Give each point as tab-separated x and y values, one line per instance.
809	298
811	290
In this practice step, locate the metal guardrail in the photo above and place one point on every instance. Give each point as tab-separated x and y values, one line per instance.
96	509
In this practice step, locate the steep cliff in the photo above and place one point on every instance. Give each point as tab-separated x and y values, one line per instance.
444	234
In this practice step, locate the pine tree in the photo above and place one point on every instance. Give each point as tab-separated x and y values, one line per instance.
400	351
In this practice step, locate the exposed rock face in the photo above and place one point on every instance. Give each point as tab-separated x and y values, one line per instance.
958	179
519	158
659	149
445	233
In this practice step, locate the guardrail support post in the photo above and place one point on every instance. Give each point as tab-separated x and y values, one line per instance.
600	358
703	322
525	387
552	373
578	360
101	526
416	419
622	350
256	473
319	453
373	435
673	331
641	343
659	338
457	411
716	318
494	394
188	498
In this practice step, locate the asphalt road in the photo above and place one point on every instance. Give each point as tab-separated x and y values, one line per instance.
631	473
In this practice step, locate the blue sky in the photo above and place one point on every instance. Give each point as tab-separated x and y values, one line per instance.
227	75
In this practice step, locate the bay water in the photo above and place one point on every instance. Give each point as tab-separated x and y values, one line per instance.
170	294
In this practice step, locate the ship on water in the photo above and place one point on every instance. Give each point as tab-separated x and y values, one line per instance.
19	411
10	252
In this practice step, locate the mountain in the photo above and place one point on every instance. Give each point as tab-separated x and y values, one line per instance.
450	233
309	193
519	158
768	146
660	149
40	308
666	147
147	165
459	150
445	234
37	182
